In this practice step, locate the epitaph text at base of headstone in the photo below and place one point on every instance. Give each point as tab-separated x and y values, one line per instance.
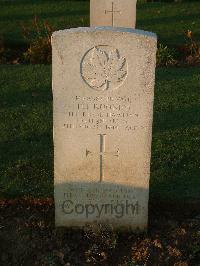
115	13
103	95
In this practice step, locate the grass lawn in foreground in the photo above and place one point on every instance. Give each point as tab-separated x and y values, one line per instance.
26	157
168	20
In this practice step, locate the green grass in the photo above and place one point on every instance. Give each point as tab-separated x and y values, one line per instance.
26	158
60	14
175	168
168	20
26	131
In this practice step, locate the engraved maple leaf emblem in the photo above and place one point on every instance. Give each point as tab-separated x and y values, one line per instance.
104	68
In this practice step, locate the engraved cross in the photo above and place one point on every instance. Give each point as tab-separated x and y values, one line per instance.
102	154
113	11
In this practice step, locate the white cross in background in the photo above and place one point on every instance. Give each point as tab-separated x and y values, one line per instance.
113	13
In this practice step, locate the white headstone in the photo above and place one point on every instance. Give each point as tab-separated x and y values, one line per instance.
115	13
103	107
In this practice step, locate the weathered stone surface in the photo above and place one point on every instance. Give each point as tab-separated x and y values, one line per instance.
115	13
103	95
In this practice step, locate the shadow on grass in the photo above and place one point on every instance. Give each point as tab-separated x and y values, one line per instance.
177	119
27	167
167	20
45	16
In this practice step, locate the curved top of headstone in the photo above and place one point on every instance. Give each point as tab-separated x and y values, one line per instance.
103	29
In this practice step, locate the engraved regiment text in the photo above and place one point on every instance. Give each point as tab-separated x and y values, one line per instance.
102	113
